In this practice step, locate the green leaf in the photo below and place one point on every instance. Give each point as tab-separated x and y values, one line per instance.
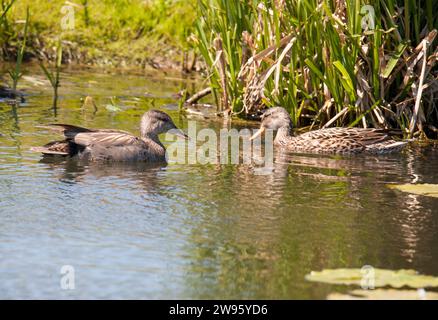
381	277
6	9
347	83
359	118
47	73
430	190
59	54
394	59
314	68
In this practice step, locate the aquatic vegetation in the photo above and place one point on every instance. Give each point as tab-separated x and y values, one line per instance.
426	189
380	278
53	77
16	73
328	62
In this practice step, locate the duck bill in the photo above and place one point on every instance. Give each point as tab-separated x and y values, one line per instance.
258	133
180	133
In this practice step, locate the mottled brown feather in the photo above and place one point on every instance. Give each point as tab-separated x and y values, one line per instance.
329	140
341	140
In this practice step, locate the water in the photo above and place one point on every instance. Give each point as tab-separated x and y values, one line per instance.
194	231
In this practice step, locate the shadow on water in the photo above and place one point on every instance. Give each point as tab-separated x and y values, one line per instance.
72	170
196	231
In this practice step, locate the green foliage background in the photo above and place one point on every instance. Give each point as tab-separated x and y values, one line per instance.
130	30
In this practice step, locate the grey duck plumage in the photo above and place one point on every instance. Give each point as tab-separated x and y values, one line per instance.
330	140
111	144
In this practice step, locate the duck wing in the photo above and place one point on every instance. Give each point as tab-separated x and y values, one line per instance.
69	146
106	138
69	131
66	129
341	140
118	146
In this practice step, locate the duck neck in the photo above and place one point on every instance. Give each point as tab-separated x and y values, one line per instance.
283	134
151	136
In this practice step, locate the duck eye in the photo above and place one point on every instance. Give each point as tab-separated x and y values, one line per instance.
265	115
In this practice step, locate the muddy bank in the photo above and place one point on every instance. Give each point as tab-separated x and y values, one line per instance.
167	57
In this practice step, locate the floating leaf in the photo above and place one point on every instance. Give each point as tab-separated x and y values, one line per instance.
426	189
112	108
376	277
384	294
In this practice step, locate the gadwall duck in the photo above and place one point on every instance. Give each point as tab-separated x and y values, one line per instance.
114	145
330	140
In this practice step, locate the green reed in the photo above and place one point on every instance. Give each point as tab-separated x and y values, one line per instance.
16	73
323	60
86	14
53	76
5	7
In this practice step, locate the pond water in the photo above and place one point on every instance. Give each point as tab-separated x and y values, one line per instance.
193	231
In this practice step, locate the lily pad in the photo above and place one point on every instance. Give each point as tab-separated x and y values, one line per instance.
426	189
384	294
374	277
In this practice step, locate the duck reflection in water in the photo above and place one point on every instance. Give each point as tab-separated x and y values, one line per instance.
142	175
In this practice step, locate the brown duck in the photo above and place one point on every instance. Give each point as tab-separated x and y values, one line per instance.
330	140
114	145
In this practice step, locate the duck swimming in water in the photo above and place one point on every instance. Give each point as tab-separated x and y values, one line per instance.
114	145
330	140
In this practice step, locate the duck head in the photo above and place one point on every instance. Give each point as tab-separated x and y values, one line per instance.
155	122
274	119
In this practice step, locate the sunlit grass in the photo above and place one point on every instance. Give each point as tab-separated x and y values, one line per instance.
118	29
